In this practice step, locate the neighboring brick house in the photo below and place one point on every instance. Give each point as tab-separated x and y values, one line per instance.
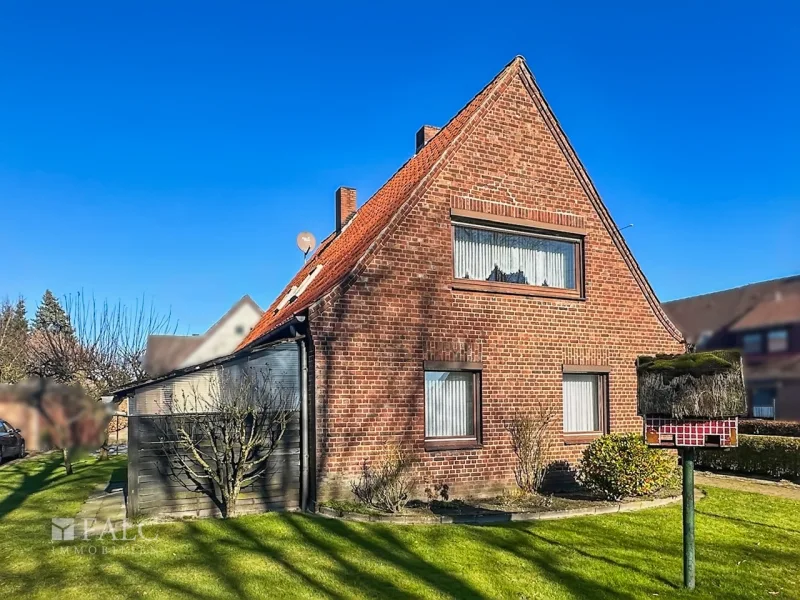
763	320
486	276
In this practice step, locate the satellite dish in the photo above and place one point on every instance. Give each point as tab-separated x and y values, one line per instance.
306	242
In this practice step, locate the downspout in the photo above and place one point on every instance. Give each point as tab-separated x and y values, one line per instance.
304	432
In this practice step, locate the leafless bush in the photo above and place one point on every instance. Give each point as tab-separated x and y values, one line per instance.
228	445
531	445
386	486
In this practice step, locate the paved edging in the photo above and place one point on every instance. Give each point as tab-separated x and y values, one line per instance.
747	478
504	517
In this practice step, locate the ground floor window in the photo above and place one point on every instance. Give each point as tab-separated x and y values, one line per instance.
764	402
452	404
585	402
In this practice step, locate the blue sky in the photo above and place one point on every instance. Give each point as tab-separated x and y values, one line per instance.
176	149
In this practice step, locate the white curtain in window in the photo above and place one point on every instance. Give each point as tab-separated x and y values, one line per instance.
497	256
449	404
580	403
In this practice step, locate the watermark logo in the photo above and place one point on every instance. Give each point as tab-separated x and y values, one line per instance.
63	530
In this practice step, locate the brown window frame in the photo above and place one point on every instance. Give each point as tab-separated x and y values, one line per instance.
573	235
602	373
455	443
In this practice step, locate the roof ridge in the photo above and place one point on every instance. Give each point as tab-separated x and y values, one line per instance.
733	289
596	201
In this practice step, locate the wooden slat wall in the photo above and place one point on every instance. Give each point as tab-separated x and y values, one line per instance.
153	490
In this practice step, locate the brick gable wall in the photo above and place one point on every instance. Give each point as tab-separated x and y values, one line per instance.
371	339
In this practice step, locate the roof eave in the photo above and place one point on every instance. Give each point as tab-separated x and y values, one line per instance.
286	332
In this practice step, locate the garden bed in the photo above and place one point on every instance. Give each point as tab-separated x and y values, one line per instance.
495	510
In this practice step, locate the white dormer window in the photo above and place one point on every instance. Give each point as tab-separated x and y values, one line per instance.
306	282
294	293
286	298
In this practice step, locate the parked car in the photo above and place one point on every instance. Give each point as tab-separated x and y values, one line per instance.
11	441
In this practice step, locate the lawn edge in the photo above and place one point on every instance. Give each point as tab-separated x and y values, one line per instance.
620	507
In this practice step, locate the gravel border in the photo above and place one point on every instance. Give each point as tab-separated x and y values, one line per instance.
499	517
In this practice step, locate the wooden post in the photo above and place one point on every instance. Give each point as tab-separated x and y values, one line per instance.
688	518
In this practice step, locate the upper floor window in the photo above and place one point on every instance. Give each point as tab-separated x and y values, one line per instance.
490	254
778	340
751	343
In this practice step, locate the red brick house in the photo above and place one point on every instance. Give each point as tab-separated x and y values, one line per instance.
485	276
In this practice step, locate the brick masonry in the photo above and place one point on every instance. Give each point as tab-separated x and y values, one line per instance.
371	336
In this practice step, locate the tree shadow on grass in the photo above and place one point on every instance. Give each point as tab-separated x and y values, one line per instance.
162	577
207	556
384	545
516	542
30	483
605	559
316	534
248	540
746	522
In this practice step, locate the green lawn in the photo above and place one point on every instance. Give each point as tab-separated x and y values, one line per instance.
748	547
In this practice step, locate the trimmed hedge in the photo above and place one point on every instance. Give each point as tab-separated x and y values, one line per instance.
759	427
776	456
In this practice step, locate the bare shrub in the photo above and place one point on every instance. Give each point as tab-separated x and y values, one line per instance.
387	485
531	446
222	440
437	491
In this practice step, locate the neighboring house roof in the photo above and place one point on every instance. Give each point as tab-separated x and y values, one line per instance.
338	258
710	313
243	301
166	353
778	309
121	393
283	335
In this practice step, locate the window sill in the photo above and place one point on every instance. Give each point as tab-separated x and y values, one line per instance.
581	438
515	289
438	445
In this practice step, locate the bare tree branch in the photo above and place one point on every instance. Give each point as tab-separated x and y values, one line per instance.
244	419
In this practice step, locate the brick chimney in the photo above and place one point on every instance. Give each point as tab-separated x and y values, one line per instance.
425	135
345	206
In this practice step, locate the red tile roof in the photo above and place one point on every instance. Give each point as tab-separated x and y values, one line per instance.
340	255
779	309
718	311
